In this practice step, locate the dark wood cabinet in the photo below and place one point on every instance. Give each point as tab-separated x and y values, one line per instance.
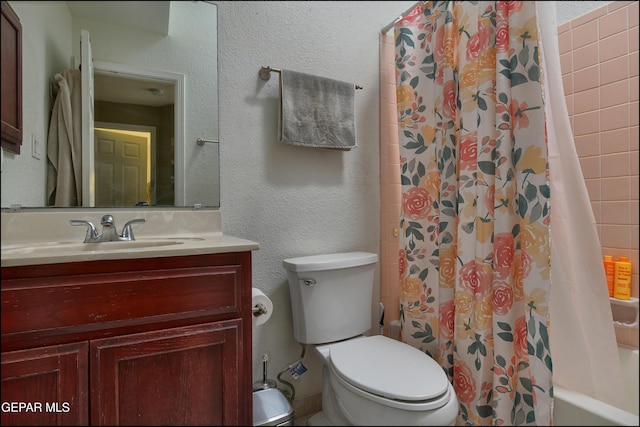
180	376
158	341
11	90
53	380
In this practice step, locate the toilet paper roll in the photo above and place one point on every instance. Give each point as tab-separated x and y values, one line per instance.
261	306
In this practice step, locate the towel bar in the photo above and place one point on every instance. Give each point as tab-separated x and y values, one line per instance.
265	73
201	141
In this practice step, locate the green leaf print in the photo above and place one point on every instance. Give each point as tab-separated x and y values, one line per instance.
523	206
484	410
421	169
513	63
506	336
487	167
531	192
534	74
518	79
536	212
523	56
504	326
545	190
482	104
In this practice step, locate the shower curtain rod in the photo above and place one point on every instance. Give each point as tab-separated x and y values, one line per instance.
402	15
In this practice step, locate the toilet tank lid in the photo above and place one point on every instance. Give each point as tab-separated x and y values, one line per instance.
329	261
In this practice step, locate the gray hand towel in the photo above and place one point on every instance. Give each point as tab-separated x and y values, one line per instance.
317	111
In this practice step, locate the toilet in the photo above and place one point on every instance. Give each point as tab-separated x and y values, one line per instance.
367	380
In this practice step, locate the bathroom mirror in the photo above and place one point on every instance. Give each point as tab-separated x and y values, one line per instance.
155	76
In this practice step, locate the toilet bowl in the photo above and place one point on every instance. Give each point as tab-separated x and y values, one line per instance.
377	380
367	380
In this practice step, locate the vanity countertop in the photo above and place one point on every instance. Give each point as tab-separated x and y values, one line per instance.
194	232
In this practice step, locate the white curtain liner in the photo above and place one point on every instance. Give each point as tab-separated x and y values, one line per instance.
582	337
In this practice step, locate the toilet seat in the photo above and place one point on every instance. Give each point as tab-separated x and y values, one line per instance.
378	365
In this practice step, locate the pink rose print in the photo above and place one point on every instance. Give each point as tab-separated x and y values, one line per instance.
416	203
475	278
502	299
449	101
520	338
463	382
468	151
447	319
503	255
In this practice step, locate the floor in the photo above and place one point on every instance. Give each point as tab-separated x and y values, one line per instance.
301	421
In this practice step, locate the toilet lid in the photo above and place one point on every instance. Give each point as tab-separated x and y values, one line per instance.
389	368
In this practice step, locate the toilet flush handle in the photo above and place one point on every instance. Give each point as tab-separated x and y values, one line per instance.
309	282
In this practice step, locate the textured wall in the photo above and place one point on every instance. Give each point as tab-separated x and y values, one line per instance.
567	10
297	201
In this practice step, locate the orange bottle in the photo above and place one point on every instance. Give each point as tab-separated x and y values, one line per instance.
622	281
609	271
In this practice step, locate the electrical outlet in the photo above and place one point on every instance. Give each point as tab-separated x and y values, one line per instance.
36	147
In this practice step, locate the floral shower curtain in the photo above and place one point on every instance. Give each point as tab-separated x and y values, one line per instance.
475	246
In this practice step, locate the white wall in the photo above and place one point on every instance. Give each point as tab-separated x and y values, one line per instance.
41	21
297	201
568	10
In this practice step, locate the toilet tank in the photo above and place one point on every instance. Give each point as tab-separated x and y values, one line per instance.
331	295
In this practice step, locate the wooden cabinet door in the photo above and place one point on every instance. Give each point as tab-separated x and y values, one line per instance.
180	376
46	386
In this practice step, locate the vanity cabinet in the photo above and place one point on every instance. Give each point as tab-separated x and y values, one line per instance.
46	378
151	341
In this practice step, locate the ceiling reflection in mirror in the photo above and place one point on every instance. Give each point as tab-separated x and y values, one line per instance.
154	77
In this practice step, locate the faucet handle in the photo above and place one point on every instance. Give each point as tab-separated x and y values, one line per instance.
92	233
127	230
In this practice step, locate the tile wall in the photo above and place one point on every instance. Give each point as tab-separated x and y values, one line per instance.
599	60
390	189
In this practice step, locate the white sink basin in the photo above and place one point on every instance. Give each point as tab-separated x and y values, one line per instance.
57	247
44	236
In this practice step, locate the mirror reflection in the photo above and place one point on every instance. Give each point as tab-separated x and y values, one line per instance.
154	82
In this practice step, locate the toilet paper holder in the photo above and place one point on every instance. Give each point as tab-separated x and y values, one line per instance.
259	309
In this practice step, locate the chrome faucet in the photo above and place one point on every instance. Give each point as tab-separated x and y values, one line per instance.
109	233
